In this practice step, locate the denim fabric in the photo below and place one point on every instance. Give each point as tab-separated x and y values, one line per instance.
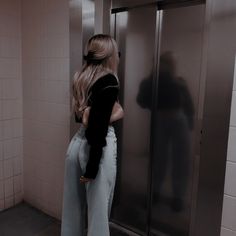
97	194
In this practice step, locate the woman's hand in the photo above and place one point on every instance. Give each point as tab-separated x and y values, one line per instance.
84	180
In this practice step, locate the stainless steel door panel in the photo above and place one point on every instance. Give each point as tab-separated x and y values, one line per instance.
136	39
82	15
220	74
175	159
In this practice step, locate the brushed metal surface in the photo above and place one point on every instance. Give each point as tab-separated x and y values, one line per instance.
125	5
191	28
156	69
135	36
82	15
216	116
75	26
129	3
176	122
88	20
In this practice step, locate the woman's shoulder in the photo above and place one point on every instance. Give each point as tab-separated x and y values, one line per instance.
105	81
109	79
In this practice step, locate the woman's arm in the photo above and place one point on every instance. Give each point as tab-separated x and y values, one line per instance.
98	122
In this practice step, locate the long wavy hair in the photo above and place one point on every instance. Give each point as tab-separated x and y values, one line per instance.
101	57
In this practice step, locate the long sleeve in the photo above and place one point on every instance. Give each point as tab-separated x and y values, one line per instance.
105	95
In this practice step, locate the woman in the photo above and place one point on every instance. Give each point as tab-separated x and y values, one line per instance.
90	166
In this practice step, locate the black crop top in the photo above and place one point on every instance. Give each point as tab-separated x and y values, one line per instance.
104	93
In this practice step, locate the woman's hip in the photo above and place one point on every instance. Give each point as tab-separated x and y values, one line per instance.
109	151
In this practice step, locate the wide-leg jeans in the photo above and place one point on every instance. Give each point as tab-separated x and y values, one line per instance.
95	196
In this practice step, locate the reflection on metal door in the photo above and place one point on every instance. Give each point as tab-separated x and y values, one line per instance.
175	136
160	74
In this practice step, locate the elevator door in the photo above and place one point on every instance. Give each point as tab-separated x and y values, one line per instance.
135	35
161	91
177	121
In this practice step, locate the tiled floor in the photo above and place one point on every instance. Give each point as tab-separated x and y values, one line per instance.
25	220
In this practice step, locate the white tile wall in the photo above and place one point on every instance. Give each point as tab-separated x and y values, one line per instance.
230	179
18	165
227	232
234	86
9	202
10	102
229	205
37	47
231	144
229	213
1	205
1	189
17	184
8	188
1	170
233	110
1	130
1	150
46	111
8	168
18	197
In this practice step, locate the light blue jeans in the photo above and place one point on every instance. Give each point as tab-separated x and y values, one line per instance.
96	194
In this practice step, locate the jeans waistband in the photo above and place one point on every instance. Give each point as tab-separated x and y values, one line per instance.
82	128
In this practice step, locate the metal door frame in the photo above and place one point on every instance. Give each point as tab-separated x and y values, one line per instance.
161	5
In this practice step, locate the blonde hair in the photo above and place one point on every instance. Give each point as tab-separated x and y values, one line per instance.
101	58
